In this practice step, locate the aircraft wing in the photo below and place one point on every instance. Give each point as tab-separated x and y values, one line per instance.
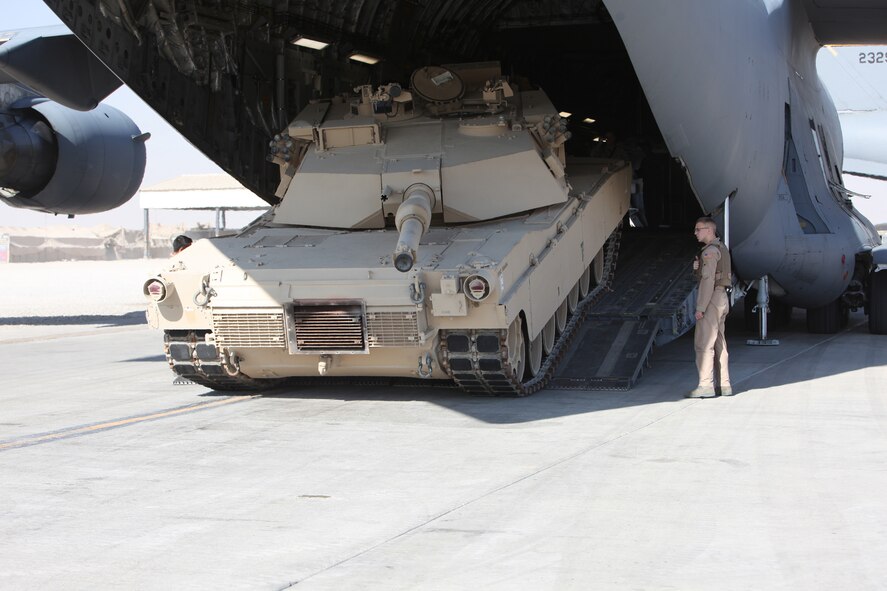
54	63
848	22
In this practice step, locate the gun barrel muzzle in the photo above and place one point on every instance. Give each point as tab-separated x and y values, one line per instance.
412	220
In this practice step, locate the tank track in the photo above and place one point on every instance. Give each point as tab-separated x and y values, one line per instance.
190	357
477	360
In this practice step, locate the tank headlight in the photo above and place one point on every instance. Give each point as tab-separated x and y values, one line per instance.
477	288
155	289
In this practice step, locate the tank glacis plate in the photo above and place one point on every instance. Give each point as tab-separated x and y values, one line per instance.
481	303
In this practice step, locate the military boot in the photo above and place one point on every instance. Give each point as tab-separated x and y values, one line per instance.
701	392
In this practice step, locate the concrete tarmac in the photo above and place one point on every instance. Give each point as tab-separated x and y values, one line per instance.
112	477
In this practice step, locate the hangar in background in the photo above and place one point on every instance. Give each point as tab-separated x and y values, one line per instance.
209	192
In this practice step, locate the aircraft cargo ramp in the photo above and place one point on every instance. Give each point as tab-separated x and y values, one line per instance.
651	302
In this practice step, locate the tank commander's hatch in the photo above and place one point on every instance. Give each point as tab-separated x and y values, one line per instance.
441	88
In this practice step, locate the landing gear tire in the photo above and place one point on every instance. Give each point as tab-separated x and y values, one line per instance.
549	336
878	303
516	349
782	314
827	319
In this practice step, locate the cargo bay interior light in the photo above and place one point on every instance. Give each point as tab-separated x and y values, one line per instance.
565	114
588	120
303	41
364	58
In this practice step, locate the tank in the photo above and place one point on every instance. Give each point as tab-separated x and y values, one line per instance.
429	231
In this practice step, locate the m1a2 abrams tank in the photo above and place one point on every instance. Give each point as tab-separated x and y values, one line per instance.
425	232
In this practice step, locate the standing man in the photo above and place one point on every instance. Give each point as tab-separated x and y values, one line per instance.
712	269
180	243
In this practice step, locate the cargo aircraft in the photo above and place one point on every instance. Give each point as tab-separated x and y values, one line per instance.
61	150
717	103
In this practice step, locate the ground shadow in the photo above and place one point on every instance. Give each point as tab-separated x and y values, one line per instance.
147	359
102	320
799	357
671	373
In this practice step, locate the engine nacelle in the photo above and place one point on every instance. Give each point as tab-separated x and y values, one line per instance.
59	160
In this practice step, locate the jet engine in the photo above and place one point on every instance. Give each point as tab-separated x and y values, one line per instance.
62	161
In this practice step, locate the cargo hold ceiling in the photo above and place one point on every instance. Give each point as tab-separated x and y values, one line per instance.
226	74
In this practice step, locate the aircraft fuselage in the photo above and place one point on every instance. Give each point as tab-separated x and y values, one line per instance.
738	101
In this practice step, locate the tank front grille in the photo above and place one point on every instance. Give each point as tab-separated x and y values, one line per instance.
329	329
392	329
249	329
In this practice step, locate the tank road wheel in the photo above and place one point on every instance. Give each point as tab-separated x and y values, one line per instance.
573	299
597	268
560	318
593	275
514	342
878	304
585	283
549	334
534	357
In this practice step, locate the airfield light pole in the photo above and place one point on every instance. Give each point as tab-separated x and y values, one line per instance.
147	253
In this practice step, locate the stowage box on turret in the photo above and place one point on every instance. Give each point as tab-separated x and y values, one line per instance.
424	232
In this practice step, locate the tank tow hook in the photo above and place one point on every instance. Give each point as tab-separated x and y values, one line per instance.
202	297
324	364
231	363
417	291
429	363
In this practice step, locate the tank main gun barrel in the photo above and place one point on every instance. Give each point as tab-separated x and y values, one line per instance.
412	220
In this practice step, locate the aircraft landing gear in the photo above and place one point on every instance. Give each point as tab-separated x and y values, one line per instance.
878	303
779	314
759	310
827	319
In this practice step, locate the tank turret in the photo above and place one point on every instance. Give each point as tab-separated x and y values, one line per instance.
484	149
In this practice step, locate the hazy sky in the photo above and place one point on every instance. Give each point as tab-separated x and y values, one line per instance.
170	155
